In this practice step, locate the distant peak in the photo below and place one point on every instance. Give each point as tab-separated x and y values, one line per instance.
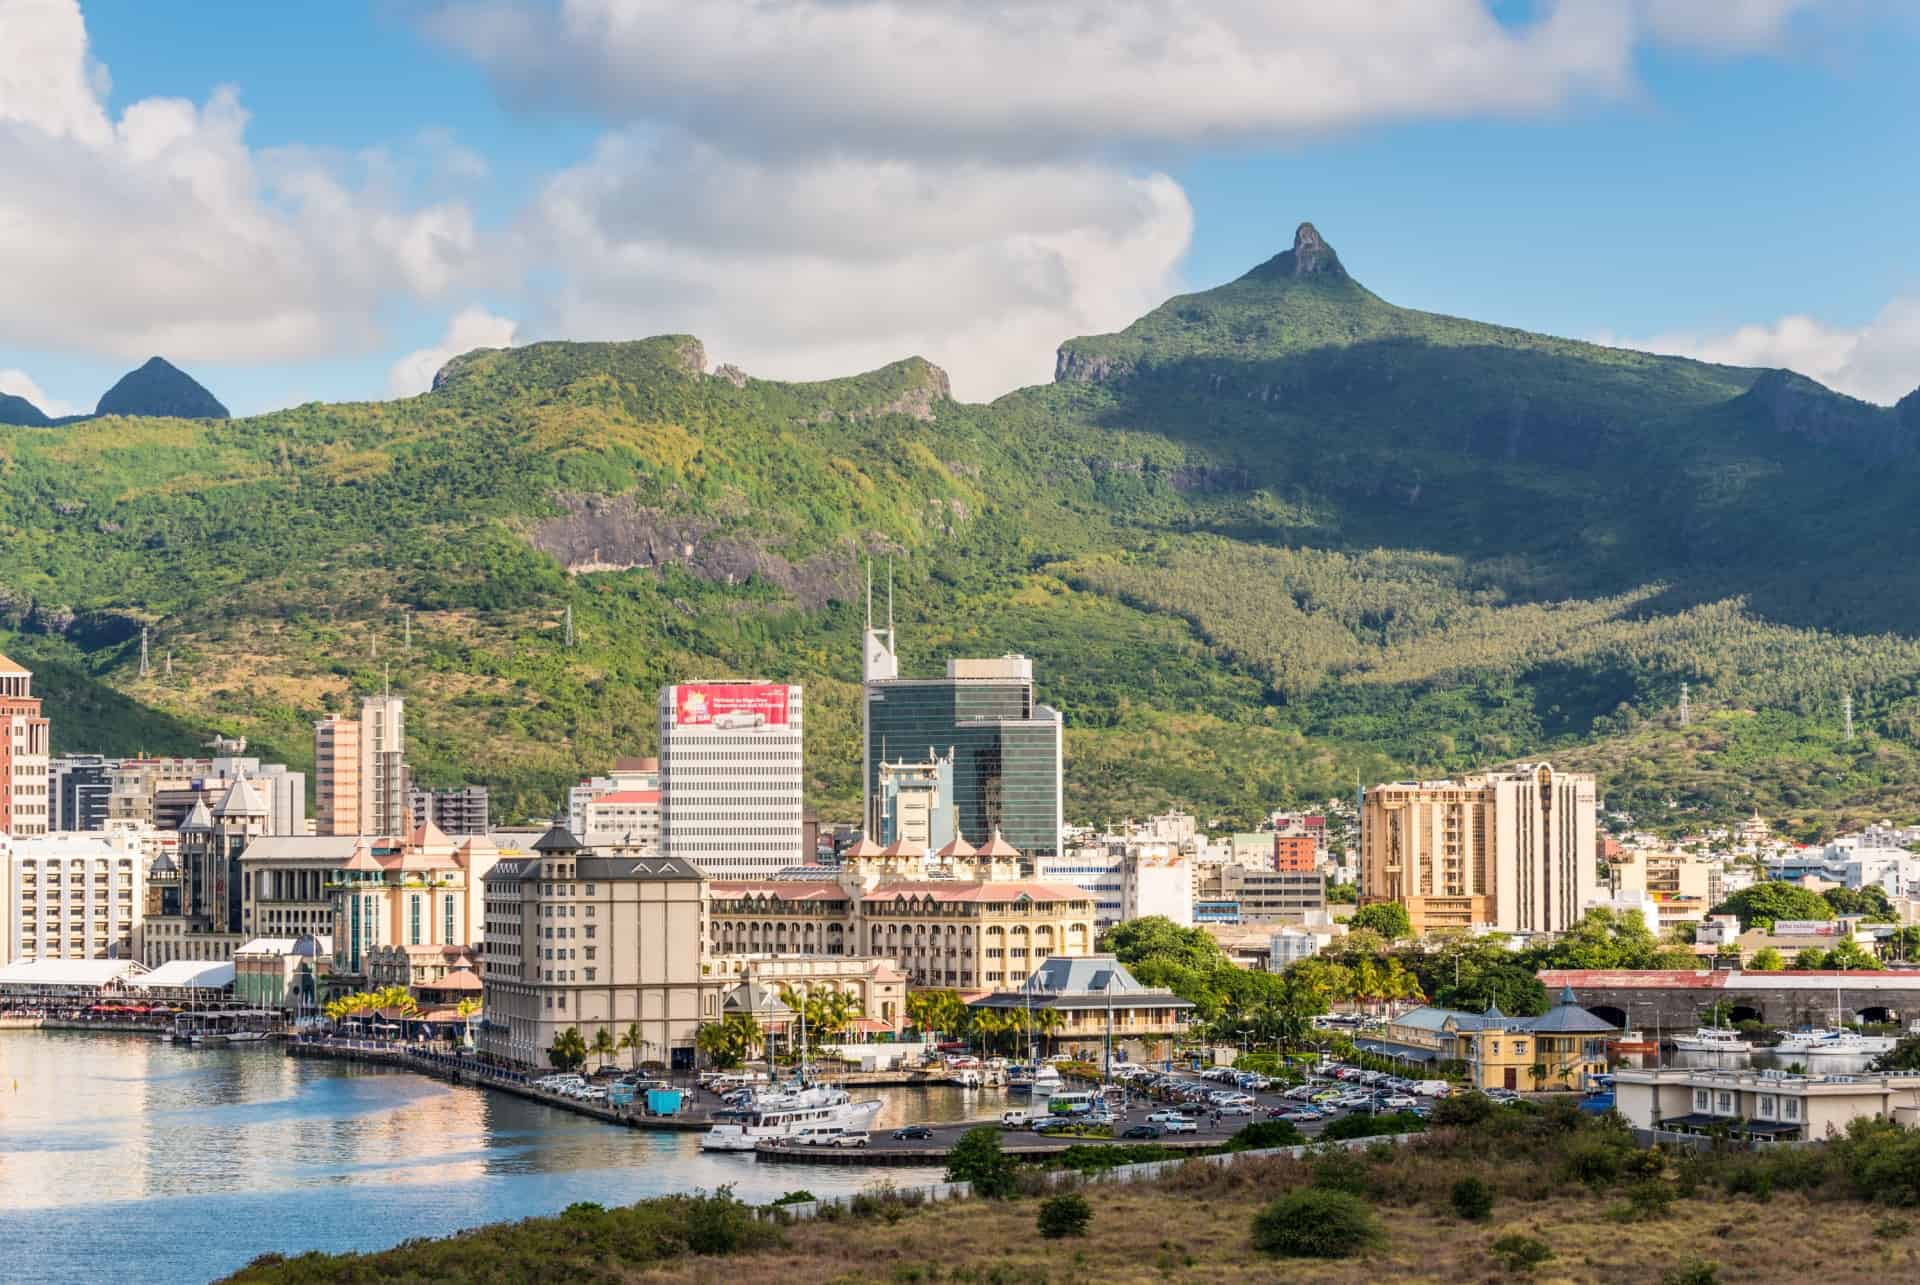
158	387
1310	256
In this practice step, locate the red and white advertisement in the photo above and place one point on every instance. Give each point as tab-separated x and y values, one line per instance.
730	706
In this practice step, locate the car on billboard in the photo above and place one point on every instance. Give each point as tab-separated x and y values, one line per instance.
739	720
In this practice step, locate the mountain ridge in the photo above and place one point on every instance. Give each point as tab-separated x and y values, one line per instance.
156	388
1291	534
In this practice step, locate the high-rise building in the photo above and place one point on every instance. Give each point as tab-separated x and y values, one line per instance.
1512	850
916	803
731	777
336	775
82	791
71	896
26	799
383	766
360	770
1006	749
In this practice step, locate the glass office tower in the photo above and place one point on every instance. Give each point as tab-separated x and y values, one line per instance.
1006	748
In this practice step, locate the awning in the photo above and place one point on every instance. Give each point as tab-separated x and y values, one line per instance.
1404	1052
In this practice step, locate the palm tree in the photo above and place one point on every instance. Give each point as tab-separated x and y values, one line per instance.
604	1045
634	1041
1047	1020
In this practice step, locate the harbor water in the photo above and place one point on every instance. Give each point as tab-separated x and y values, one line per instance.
128	1158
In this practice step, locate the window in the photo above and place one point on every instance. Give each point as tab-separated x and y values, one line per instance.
589	890
589	912
1767	1109
1726	1104
1792	1106
590	973
1702	1100
590	952
1520	1046
589	932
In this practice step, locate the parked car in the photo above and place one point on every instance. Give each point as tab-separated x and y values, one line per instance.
1298	1116
1180	1124
912	1131
1236	1108
848	1140
1142	1131
1054	1124
1161	1117
1399	1102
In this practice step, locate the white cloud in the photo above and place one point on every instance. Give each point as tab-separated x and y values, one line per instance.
20	384
164	232
469	329
1015	75
842	264
1879	362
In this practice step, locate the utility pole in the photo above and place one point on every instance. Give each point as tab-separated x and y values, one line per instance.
145	668
1686	707
169	663
569	624
1846	713
406	625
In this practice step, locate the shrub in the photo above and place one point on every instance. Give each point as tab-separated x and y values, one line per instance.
1100	1159
1316	1223
1066	1214
1645	1164
1462	1109
1520	1253
720	1224
583	1210
1472	1199
977	1158
1650	1198
1891	1228
1266	1133
1593	1162
1337	1169
1369	1126
799	1197
1693	1272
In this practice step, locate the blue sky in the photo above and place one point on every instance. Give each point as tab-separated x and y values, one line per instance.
415	176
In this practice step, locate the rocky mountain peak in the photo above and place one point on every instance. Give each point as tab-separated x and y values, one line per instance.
1310	256
160	388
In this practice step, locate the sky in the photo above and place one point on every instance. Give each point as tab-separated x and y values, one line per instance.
325	202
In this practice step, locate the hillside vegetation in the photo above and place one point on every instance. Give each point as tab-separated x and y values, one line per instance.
1271	539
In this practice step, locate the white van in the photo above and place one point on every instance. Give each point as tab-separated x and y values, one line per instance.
1020	1118
1430	1088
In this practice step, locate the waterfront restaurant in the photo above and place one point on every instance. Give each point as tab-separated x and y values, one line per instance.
61	984
1095	994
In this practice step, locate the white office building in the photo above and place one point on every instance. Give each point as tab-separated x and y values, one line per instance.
72	895
731	777
1127	880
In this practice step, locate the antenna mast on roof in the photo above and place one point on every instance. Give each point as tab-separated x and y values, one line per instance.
869	593
406	625
144	668
1846	712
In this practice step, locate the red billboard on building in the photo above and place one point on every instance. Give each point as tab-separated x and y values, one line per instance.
730	706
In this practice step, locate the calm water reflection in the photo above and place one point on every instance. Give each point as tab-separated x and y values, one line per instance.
128	1158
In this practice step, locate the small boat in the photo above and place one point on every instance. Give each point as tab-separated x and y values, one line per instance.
1019	1079
786	1114
1046	1080
1712	1039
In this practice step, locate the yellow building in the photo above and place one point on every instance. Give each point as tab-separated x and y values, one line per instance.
1561	1049
959	917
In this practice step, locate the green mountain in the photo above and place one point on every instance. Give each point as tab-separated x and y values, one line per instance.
1271	538
18	410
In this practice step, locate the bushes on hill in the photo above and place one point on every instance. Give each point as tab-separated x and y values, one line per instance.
1316	1223
1266	1133
1066	1214
1373	1126
978	1159
1472	1199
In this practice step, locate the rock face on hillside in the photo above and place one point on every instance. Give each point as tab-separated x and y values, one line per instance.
160	388
18	410
1310	256
1790	403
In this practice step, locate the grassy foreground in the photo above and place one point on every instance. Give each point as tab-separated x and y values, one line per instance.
1552	1196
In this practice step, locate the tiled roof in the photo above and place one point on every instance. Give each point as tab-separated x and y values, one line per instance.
946	890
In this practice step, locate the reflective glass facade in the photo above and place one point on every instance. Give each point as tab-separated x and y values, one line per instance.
1006	752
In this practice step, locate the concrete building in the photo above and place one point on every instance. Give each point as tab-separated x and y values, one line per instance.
71	896
463	810
575	939
915	802
1255	894
195	901
1291	943
425	890
1771	1106
1297	853
877	984
1007	749
360	770
1126	879
336	776
1563	1048
26	779
282	972
81	790
1677	888
627	774
282	792
968	921
731	777
624	820
1511	850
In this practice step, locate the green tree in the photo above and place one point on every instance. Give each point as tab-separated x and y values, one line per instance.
1066	1214
1766	960
1774	900
1870	901
730	1041
1388	918
604	1045
977	1158
631	1040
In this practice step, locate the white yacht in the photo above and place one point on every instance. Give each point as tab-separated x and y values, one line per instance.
786	1113
1828	1040
1712	1039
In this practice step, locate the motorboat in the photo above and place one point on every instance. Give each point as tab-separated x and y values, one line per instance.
1831	1040
786	1114
1713	1039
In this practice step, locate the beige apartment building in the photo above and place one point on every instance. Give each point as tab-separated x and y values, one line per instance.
1676	888
1510	850
360	771
594	942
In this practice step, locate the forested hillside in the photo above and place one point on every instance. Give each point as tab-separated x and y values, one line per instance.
1272	538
